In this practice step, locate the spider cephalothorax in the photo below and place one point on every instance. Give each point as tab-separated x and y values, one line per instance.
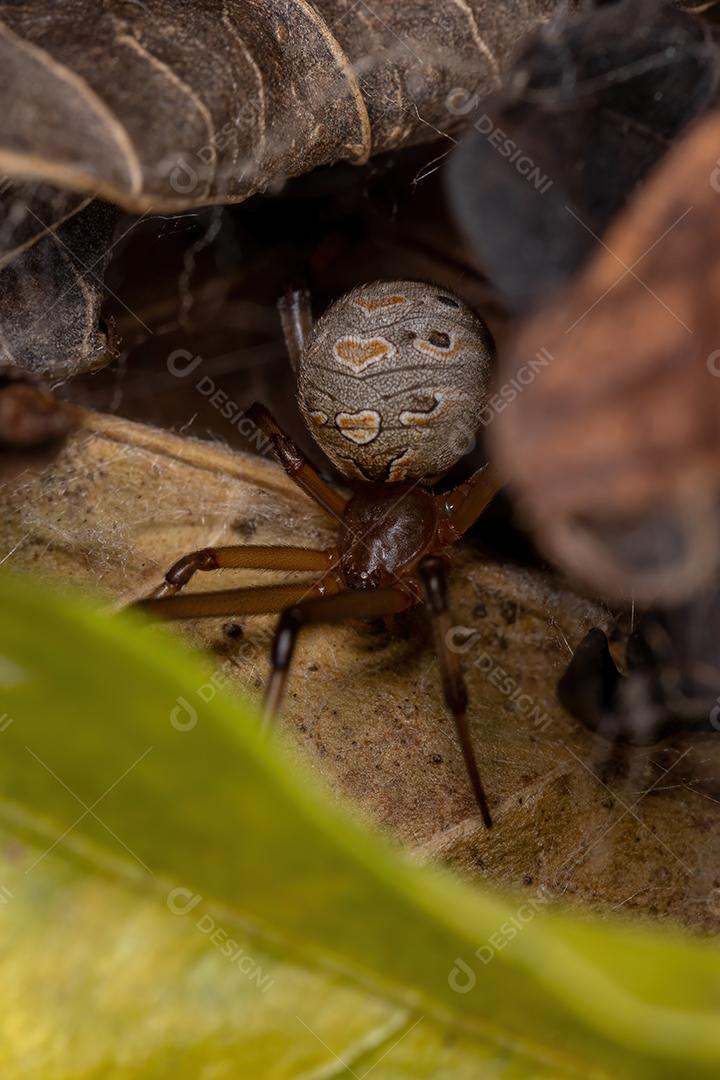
393	381
432	358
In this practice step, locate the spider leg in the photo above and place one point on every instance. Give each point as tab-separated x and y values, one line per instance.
296	320
252	556
295	465
349	604
255	600
434	572
465	503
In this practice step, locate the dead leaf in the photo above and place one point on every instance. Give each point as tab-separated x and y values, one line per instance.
54	248
177	105
613	447
123	501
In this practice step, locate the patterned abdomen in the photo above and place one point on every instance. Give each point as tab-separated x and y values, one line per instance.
394	380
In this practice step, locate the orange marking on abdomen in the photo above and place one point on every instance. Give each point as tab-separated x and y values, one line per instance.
359	353
360	427
377	305
426	347
408	418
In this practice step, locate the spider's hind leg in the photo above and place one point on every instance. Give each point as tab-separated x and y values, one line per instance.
296	319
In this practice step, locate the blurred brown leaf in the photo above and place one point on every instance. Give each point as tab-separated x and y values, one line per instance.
612	444
595	98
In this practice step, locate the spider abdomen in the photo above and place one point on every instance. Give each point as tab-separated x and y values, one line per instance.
394	380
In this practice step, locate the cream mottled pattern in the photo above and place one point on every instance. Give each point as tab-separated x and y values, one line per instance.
394	380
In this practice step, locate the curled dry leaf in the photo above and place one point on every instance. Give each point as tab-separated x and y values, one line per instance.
614	446
174	105
122	501
593	101
242	97
54	248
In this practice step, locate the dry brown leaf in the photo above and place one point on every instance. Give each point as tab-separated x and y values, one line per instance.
54	249
122	501
176	104
613	441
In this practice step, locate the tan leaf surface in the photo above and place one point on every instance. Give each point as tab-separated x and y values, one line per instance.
122	501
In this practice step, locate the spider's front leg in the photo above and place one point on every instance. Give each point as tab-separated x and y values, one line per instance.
254	600
433	571
295	464
349	604
462	506
250	556
257	557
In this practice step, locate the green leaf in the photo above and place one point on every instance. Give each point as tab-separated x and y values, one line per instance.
177	897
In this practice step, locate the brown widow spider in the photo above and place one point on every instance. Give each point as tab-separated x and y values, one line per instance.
392	381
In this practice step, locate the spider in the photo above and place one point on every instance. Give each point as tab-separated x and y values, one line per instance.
392	381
